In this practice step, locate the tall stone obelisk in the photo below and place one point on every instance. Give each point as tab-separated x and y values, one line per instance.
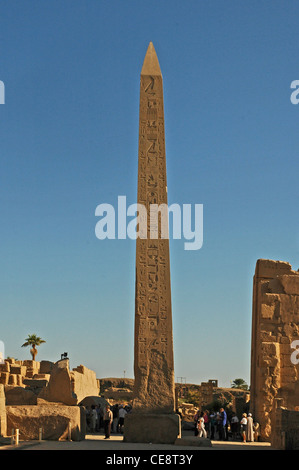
153	418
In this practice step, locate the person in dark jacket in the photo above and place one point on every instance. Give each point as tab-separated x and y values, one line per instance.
222	425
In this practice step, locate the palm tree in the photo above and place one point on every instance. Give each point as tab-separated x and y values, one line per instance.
33	341
239	383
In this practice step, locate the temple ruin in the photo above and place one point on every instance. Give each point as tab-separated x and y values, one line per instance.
44	395
275	330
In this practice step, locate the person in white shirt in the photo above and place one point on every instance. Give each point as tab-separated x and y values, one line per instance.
243	423
234	425
121	420
108	417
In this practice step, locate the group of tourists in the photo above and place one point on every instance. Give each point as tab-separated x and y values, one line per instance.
214	425
217	426
110	418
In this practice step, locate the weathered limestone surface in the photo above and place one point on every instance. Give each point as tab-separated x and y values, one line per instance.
19	396
153	367
54	420
53	382
14	372
153	418
275	325
36	395
69	387
285	435
2	412
155	428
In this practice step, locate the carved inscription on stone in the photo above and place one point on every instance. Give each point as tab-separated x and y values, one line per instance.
153	366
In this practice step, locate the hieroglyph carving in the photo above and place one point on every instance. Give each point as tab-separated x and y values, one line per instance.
154	370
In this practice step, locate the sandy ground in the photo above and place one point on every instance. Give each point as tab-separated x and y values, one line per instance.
115	443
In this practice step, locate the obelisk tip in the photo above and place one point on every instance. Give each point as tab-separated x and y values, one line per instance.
151	63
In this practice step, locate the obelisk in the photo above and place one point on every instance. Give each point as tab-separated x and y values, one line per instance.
153	418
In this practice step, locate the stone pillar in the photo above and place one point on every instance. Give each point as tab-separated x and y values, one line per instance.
153	418
3	422
275	325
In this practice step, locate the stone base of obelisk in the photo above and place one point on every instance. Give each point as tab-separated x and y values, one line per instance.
154	428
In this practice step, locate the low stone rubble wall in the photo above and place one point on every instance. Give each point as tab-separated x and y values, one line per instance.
57	422
44	395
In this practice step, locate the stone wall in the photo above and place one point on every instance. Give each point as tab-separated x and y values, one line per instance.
27	382
45	395
13	372
275	325
113	382
285	435
2	412
206	393
84	382
67	386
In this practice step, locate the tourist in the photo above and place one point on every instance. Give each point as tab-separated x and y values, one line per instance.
249	430
234	426
243	426
100	418
128	409
93	418
115	418
196	418
206	417
88	416
256	431
200	425
213	425
222	424
121	422
108	417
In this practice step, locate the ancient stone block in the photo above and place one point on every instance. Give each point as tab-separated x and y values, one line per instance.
154	428
11	360
42	377
269	269
59	388
30	373
267	311
55	421
19	380
84	382
285	435
69	387
20	396
35	383
5	367
4	378
46	367
12	379
290	284
17	369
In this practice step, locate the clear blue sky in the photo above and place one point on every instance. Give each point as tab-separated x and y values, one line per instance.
69	141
